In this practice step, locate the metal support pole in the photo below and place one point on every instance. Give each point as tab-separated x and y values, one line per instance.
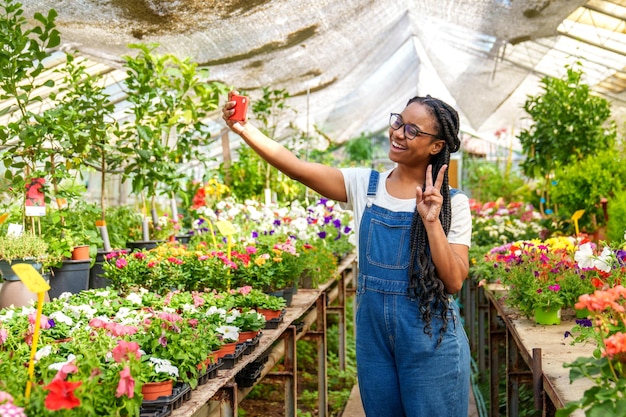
291	366
483	316
496	335
538	379
322	374
340	310
516	371
227	396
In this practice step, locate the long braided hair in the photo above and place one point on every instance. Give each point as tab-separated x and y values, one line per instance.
424	284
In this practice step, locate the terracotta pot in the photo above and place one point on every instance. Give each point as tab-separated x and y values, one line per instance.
211	359
249	335
80	253
226	349
153	390
269	314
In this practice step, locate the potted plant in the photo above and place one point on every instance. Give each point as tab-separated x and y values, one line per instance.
541	275
159	376
249	322
25	248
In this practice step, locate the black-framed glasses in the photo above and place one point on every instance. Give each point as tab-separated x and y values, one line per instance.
410	130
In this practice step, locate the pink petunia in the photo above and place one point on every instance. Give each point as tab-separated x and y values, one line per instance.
121	263
66	369
125	350
126	386
245	290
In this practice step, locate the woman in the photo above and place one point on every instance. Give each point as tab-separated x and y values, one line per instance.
413	240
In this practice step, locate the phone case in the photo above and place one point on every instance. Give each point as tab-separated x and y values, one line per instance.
241	108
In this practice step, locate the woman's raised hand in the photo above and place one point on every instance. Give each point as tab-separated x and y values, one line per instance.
430	200
228	110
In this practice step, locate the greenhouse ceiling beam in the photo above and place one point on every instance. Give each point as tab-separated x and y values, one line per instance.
596	44
602	11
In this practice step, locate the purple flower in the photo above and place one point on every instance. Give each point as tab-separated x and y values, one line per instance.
584	322
322	234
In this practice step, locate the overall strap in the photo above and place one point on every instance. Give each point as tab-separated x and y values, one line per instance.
371	187
373	184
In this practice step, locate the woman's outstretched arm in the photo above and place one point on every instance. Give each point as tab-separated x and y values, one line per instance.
326	180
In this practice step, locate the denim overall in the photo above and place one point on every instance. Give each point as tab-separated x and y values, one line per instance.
401	370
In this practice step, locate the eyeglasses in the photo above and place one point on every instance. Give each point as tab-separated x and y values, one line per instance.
410	130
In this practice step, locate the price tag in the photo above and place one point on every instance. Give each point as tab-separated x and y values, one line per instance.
31	278
225	227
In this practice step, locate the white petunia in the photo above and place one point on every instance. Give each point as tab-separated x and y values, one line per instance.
43	352
228	332
604	261
232	315
135	298
584	256
164	366
58	365
61	317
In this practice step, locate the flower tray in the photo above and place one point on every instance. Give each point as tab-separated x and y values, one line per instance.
162	412
274	323
249	375
180	394
229	361
210	373
251	344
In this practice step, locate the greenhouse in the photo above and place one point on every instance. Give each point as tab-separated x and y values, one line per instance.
312	208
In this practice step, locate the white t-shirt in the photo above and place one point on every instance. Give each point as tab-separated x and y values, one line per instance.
357	180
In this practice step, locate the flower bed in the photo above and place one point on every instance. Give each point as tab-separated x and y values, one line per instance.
96	349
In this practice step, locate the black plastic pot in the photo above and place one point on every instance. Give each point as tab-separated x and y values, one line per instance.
72	277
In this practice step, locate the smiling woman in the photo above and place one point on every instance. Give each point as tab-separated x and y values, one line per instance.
413	248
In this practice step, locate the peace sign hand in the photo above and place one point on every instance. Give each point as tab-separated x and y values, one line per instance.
430	200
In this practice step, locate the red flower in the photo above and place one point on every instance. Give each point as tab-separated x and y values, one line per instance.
61	395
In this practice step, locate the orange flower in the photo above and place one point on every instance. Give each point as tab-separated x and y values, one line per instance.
615	344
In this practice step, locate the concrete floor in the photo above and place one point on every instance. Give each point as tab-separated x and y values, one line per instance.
355	409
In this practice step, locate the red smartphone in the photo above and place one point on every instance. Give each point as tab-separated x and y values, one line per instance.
241	108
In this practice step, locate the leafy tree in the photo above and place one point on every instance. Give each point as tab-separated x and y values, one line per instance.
22	59
583	184
568	123
170	101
